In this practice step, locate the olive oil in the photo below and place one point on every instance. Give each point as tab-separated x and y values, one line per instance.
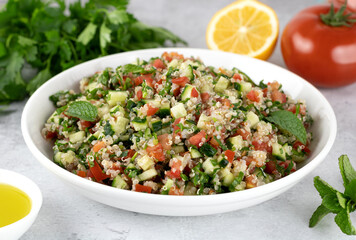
14	204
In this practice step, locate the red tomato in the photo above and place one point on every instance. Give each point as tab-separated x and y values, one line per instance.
82	174
322	54
139	95
197	138
158	64
181	81
205	97
142	188
278	96
163	139
175	170
151	110
176	129
51	135
214	143
230	155
85	124
253	96
243	133
237	76
156	152
194	93
98	172
262	146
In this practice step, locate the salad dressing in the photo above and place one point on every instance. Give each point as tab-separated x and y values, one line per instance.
14	204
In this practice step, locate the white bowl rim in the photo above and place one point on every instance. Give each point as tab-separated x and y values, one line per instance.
182	200
35	196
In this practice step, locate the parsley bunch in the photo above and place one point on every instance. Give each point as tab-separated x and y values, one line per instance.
341	204
50	37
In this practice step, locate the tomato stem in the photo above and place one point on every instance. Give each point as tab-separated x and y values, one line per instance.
337	19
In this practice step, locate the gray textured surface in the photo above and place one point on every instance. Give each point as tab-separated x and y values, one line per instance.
66	215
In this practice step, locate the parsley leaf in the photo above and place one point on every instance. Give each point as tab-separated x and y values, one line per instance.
347	172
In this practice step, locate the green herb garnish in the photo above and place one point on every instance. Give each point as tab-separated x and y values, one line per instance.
82	110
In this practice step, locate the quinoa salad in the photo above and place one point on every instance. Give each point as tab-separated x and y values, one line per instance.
173	126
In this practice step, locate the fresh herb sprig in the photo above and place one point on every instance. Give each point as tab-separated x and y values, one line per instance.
41	34
341	204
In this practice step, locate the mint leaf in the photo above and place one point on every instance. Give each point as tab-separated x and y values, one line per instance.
88	34
343	220
342	200
323	187
319	213
133	68
348	173
2	49
83	110
350	190
287	121
331	202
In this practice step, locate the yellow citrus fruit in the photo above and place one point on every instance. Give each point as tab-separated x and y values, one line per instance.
245	27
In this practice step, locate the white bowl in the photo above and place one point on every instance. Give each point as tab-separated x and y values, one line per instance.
18	228
39	108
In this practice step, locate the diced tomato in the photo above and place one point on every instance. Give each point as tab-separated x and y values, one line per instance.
303	147
286	163
251	181
176	91
293	109
205	97
138	81
50	135
274	85
175	191
197	138
270	167
98	146
214	143
243	133
139	94
226	102
163	139
156	152
172	55
175	170
85	124
230	155
265	91
278	96
253	96
82	174
147	78
194	93
151	110
237	76
181	81
98	172
262	146
142	188
130	154
158	64
176	129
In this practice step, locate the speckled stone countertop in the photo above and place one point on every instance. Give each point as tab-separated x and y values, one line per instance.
67	215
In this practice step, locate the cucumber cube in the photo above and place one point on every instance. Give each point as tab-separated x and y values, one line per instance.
76	137
119	125
116	97
120	183
278	151
147	174
246	87
209	167
145	162
252	118
221	85
178	111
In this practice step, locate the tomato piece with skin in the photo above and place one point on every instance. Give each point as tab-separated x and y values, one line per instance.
82	174
98	172
175	170
143	188
194	93
158	63
151	110
303	147
50	135
181	81
230	155
99	145
243	133
197	138
85	124
139	95
205	97
278	96
262	146
322	54
237	76
156	152
214	143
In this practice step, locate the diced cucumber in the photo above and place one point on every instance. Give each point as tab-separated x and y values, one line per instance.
67	158
224	172
190	189
57	158
93	85
235	143
278	151
116	97
53	118
178	149
119	124
145	162
139	124
178	111
147	174
252	118
173	64
104	109
76	137
246	87
156	125
208	150
117	109
120	183
221	85
187	70
208	166
202	121
187	92
195	153
227	179
167	186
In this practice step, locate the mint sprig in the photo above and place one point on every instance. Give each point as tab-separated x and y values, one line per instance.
82	110
333	201
287	121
